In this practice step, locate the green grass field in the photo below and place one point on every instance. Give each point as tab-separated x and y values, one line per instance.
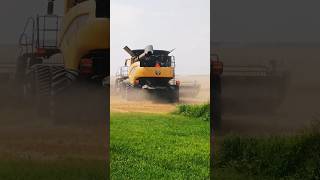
274	157
159	146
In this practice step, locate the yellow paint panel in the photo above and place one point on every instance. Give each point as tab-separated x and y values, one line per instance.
82	32
136	72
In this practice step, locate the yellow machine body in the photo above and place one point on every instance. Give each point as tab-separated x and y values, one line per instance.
150	70
135	72
82	32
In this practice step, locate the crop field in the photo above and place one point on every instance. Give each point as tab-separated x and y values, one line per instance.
302	99
278	145
273	157
159	146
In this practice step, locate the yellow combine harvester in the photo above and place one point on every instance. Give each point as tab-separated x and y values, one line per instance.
150	70
64	58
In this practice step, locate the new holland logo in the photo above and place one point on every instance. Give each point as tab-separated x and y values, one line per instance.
157	72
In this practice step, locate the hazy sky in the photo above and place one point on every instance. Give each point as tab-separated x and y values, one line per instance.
265	20
166	24
14	13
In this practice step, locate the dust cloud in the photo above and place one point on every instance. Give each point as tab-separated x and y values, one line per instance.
301	101
28	132
146	104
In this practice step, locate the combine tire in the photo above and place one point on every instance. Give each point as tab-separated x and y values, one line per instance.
77	102
37	89
174	95
129	93
60	80
61	108
80	103
216	104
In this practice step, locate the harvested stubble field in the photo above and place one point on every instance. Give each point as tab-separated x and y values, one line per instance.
39	149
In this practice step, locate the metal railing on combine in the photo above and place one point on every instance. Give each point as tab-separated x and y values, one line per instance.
173	64
40	36
26	42
123	72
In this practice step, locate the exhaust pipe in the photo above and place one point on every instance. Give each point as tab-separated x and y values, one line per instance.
50	9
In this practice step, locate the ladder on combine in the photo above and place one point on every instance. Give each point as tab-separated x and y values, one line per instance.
38	42
40	36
